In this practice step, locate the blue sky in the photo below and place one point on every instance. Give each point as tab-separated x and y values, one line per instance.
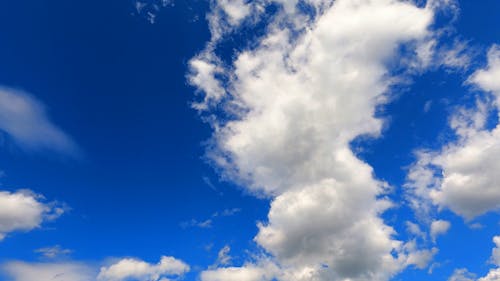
249	140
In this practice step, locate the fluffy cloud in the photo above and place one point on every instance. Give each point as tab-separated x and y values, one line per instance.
24	210
296	101
464	175
24	119
20	271
139	270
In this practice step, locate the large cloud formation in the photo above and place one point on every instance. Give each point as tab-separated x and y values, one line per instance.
296	100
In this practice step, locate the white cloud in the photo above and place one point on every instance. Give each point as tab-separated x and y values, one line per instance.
208	223
248	272
462	274
130	268
24	119
464	175
21	271
296	101
439	227
223	257
53	252
24	210
236	10
492	275
495	253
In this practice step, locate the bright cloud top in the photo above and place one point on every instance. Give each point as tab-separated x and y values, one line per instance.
24	210
24	119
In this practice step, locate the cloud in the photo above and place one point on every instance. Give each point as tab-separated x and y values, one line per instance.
130	268
149	9
195	223
24	120
207	223
24	210
439	227
495	253
248	272
21	271
492	275
53	252
462	274
223	257
295	101
463	176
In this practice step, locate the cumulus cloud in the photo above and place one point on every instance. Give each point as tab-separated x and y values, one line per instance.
295	102
21	271
464	175
24	119
130	268
24	210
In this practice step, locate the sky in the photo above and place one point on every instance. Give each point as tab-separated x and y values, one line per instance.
235	140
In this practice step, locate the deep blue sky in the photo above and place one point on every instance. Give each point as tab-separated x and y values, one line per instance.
117	84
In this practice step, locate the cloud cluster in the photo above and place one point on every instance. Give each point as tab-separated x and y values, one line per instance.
296	100
24	210
464	177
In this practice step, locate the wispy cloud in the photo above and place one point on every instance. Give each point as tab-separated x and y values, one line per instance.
53	252
24	120
207	223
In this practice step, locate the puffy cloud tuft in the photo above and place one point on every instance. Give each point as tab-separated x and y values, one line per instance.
130	268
